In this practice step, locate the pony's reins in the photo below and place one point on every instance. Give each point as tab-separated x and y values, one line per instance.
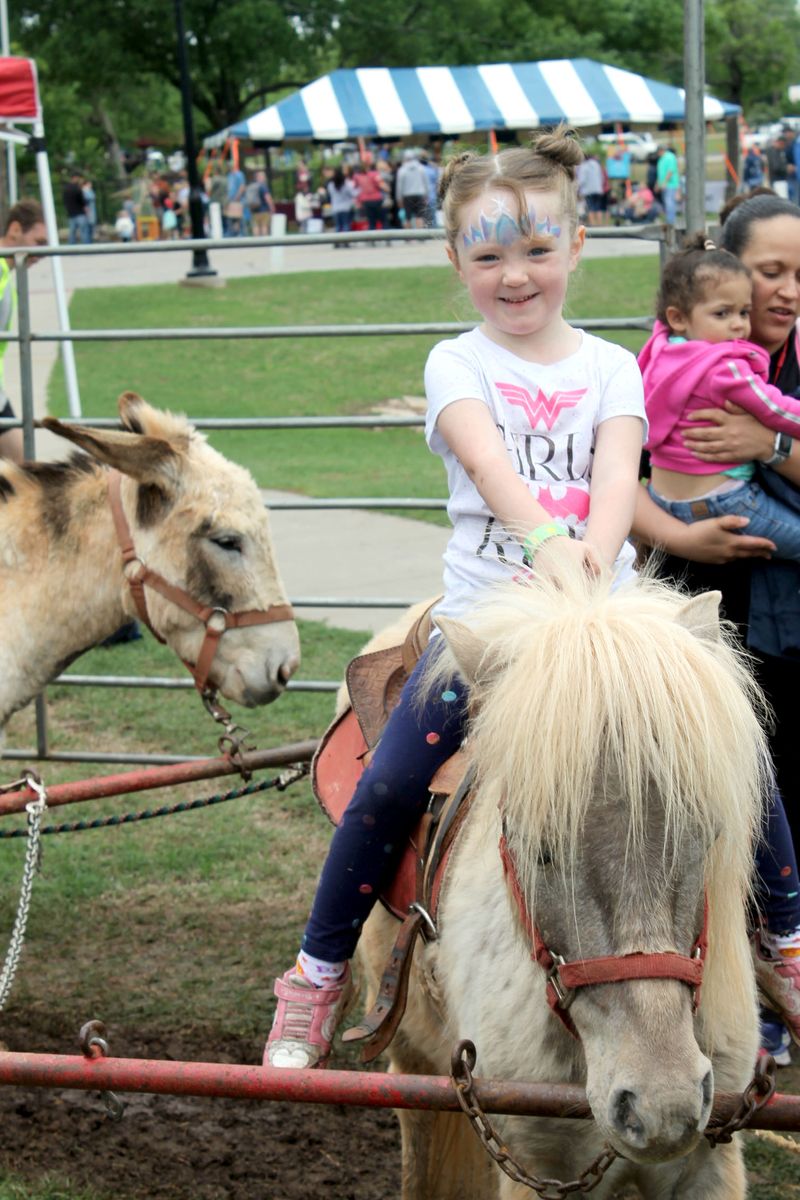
564	978
217	621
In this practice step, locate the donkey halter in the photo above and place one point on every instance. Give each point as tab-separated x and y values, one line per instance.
564	978
216	620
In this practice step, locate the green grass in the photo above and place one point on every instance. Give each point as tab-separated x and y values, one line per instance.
307	376
187	890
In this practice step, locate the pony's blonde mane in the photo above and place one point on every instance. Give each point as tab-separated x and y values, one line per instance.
579	684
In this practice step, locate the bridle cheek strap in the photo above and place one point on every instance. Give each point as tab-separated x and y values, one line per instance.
216	620
564	978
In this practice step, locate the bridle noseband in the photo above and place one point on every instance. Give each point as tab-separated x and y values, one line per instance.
564	978
216	620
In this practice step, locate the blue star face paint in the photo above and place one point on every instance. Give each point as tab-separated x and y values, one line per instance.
501	227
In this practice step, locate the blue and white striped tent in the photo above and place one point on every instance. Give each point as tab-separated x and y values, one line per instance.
405	101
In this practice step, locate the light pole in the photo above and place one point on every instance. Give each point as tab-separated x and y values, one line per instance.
201	267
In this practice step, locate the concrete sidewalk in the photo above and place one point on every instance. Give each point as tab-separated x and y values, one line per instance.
331	554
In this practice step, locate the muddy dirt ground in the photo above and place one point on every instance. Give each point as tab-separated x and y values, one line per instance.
196	1149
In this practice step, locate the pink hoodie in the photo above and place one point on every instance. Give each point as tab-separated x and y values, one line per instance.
681	377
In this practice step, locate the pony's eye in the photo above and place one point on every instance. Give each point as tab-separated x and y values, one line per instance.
545	858
229	542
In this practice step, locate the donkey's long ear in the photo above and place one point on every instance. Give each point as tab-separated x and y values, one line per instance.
146	459
700	615
467	649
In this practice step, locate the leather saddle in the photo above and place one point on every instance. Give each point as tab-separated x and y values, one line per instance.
374	683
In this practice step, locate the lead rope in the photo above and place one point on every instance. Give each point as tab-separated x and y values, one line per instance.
35	810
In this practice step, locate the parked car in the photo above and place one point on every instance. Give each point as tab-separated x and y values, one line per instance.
641	145
762	136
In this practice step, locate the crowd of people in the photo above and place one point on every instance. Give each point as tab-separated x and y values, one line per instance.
373	193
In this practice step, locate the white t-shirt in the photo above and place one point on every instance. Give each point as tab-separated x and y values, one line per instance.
547	417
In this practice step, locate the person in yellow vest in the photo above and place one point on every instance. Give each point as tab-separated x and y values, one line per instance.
24	227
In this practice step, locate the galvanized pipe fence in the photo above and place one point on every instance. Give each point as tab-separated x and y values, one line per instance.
27	336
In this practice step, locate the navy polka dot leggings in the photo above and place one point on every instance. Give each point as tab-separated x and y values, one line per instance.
390	798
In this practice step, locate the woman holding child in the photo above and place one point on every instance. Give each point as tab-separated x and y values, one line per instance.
716	552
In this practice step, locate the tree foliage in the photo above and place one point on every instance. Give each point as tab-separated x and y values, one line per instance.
110	68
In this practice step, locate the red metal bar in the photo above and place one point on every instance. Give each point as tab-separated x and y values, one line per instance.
156	777
361	1088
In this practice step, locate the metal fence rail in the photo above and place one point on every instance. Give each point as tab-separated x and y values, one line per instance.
26	336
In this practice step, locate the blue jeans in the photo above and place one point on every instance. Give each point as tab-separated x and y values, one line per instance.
768	517
344	220
389	800
79	230
669	198
777	883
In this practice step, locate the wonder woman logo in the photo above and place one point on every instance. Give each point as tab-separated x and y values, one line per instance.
541	409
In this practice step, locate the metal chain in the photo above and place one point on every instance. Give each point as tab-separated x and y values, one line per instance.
291	775
94	1045
233	743
32	864
759	1090
462	1062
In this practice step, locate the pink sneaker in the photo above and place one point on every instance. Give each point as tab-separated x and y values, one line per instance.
778	978
306	1019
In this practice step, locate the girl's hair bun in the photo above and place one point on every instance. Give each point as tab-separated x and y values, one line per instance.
561	145
451	169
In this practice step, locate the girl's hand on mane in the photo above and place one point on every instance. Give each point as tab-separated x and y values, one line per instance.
557	553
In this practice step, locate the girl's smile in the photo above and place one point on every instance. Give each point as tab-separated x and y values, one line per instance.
516	266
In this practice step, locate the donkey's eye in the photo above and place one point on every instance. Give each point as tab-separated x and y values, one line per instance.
229	542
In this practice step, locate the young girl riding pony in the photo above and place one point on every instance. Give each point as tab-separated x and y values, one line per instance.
540	427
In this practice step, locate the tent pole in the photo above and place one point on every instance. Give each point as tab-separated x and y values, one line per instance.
11	150
46	193
694	69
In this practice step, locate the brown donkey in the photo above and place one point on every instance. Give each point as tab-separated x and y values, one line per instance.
194	521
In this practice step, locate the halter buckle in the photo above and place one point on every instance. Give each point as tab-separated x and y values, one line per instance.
137	564
564	995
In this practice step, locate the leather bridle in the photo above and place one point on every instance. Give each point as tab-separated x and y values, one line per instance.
564	978
216	620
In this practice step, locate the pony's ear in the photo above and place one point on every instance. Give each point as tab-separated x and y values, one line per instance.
146	459
467	649
700	615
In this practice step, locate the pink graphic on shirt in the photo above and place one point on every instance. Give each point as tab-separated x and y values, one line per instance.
541	408
564	502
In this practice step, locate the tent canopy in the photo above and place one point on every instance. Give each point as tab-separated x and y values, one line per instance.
404	101
19	92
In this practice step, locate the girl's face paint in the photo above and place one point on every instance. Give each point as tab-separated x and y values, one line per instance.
516	267
501	225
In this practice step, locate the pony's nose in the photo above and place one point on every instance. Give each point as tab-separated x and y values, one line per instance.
664	1130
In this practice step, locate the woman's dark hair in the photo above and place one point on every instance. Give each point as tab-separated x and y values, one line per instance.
740	215
338	178
689	272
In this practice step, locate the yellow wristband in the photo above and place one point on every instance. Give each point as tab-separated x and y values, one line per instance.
543	533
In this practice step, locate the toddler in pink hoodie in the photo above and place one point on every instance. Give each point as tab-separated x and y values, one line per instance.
698	357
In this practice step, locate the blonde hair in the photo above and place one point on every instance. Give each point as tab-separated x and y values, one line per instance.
549	161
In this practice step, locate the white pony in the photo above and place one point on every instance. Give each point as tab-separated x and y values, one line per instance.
618	751
194	518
